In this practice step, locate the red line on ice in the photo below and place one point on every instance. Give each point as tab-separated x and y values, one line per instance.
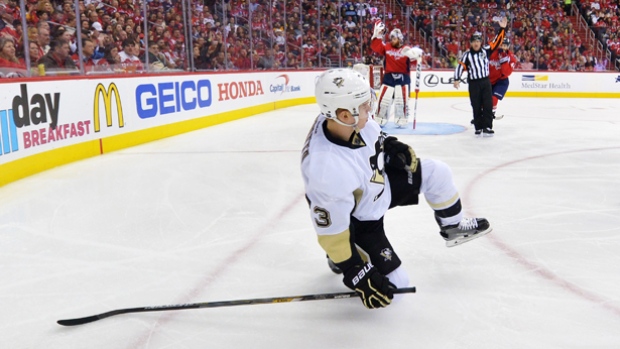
531	266
222	267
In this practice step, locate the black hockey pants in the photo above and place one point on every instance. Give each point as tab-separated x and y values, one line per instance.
481	97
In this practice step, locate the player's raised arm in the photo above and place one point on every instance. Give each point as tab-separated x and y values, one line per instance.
494	44
376	43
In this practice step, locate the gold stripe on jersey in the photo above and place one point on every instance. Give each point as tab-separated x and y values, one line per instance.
338	246
357	196
445	204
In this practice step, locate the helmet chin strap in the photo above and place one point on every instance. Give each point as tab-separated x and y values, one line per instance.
355	117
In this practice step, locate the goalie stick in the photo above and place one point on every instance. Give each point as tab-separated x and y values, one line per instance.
310	297
418	70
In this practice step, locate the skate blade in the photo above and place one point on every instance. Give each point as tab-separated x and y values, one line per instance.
460	241
488	135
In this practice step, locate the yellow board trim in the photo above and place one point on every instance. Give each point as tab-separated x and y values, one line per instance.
33	164
134	138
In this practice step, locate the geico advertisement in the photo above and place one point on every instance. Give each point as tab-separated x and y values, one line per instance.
36	117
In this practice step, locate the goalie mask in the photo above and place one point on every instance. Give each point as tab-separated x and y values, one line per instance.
343	89
396	33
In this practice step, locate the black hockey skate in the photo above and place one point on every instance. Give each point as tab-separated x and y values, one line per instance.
487	132
467	230
333	266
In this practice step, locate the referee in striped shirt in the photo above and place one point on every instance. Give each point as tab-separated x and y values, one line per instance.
476	63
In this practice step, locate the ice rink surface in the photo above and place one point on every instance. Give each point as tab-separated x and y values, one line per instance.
219	214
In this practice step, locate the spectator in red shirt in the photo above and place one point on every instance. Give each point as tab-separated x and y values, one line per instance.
6	24
35	53
7	55
243	61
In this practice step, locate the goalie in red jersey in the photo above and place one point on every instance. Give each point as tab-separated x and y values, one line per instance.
501	64
396	78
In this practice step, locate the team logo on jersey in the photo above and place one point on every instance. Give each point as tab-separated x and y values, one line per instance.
377	165
386	253
339	82
357	140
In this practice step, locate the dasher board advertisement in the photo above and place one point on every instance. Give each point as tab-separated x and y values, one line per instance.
40	116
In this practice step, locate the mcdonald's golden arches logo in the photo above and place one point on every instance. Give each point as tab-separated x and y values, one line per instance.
107	105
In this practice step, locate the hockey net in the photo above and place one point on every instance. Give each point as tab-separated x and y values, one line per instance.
373	73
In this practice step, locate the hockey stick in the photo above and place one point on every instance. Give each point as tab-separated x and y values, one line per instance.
310	297
418	70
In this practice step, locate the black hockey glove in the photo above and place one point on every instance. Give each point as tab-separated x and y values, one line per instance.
375	290
399	155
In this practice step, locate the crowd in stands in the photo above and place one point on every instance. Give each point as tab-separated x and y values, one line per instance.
542	33
602	17
230	34
291	34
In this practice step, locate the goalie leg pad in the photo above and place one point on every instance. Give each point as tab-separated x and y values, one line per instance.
386	94
401	105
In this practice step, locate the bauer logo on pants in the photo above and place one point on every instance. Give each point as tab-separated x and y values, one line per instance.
107	106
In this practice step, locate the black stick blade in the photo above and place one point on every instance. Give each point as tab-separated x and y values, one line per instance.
80	321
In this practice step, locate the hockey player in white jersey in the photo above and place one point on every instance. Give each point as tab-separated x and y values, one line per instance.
353	173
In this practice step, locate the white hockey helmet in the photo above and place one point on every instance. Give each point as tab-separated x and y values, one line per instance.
396	33
343	88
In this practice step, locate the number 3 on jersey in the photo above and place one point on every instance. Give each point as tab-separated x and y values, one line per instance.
322	218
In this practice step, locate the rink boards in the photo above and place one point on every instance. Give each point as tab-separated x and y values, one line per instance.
48	123
530	84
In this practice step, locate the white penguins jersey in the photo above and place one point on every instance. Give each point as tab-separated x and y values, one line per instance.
344	178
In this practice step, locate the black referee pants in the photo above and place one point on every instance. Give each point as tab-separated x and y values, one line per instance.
481	97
